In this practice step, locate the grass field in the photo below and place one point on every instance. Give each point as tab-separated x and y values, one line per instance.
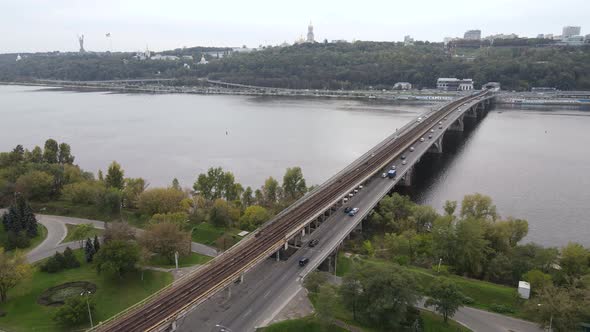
435	323
219	237
112	296
484	294
190	260
71	236
432	323
307	324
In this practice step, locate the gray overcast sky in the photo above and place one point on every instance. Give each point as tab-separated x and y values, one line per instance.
47	25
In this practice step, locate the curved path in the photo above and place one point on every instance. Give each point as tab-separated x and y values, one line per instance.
57	232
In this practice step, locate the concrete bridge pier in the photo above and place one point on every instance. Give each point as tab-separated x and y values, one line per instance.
437	146
472	112
407	178
458	125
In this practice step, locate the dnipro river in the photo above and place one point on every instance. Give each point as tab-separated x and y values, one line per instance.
534	162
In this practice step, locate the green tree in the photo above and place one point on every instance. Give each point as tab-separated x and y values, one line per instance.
35	185
368	248
133	188
89	251
20	218
36	155
86	192
564	308
70	260
165	239
574	259
109	200
294	185
247	197
220	213
450	207
253	217
160	200
117	257
470	254
65	155
424	217
118	231
75	310
217	184
326	303
445	297
115	176
176	184
96	243
314	280
50	151
478	206
538	280
13	270
382	295
271	192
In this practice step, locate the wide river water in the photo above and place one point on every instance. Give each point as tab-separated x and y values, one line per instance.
534	162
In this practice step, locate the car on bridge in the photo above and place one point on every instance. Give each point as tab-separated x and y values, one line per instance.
353	212
393	167
384	175
429	136
313	243
347	209
404	162
403	157
439	127
422	139
411	149
303	261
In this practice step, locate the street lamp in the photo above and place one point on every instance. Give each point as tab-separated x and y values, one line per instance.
88	305
223	328
550	318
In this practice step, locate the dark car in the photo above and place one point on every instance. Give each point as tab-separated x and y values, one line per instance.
313	243
347	209
403	156
303	261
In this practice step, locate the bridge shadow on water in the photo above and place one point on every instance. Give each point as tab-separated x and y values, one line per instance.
433	165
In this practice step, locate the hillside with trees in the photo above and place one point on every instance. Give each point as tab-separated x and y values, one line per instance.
358	65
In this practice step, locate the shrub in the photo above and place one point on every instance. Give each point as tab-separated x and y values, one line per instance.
74	311
82	192
59	261
502	309
160	200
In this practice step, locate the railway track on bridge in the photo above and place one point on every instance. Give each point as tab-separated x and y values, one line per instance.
163	308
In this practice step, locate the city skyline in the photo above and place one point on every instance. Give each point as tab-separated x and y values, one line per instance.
133	25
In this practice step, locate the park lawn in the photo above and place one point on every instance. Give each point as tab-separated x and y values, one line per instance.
184	261
86	211
111	297
436	323
484	294
71	236
307	324
219	237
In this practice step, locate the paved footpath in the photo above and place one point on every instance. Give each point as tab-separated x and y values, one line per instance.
57	232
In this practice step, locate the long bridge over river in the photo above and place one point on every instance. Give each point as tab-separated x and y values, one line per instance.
360	183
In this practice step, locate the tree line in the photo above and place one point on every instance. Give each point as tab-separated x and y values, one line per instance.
517	65
474	241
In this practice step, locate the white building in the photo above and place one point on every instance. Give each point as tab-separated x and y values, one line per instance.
570	31
524	290
310	37
203	61
164	57
454	84
408	41
402	86
472	35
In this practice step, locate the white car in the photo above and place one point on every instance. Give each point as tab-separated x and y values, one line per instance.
384	175
411	149
432	130
422	139
404	162
393	167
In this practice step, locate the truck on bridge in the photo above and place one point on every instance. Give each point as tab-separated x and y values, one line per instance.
391	173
